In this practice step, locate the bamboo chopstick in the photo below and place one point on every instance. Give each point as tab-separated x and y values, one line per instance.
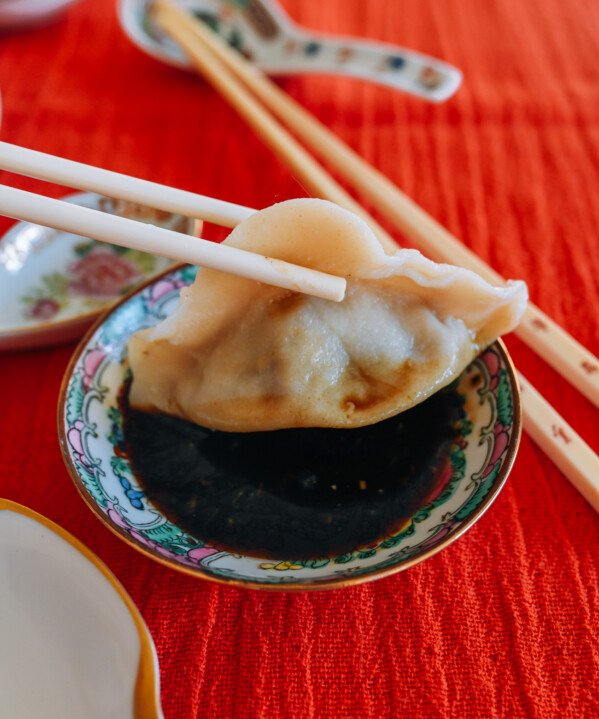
317	181
148	238
571	454
546	427
556	346
23	161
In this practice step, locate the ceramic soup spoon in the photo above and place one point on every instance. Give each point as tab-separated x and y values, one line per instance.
264	33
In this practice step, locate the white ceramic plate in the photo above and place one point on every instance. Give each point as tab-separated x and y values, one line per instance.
54	284
73	644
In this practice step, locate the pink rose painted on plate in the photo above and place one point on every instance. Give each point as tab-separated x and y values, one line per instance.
102	274
43	309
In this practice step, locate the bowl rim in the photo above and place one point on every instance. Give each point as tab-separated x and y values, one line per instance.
334	583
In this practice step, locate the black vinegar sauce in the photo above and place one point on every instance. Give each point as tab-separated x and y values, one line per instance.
292	493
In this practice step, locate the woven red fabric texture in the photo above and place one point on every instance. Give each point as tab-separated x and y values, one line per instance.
503	623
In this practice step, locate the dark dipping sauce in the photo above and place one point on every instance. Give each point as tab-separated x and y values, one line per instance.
293	493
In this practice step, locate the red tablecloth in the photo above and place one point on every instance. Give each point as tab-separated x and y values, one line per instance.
501	623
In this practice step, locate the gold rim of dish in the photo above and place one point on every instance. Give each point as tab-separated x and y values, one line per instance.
316	584
146	704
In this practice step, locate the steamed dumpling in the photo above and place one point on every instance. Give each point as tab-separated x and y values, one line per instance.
237	355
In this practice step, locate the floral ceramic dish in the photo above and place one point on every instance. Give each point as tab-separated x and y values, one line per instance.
91	437
73	643
54	284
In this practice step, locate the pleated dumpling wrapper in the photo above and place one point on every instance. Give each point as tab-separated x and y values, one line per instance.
238	355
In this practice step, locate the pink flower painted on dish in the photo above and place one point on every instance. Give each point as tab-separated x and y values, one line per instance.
91	363
43	309
193	556
494	366
164	287
161	288
116	517
102	274
502	439
200	553
75	439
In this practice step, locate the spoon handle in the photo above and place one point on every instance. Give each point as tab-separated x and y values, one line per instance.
378	62
289	48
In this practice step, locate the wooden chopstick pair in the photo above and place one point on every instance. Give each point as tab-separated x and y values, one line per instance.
148	238
240	83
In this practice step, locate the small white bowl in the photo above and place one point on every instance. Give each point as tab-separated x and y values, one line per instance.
73	642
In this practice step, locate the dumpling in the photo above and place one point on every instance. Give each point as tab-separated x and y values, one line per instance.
237	355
